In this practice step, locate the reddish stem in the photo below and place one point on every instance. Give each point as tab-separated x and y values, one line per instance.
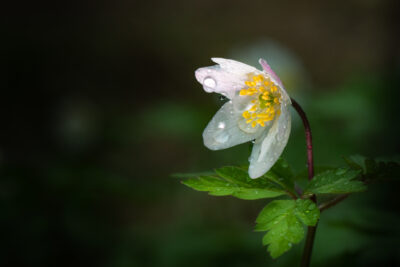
306	259
307	129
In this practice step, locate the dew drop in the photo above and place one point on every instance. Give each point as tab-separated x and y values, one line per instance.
209	82
221	125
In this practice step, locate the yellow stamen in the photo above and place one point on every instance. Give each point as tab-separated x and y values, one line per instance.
246	115
265	99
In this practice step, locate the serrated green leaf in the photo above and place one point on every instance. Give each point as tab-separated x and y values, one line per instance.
356	162
284	219
307	211
236	182
337	181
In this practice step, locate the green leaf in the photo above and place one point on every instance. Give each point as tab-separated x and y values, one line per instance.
356	162
374	169
336	181
236	182
284	220
191	175
303	175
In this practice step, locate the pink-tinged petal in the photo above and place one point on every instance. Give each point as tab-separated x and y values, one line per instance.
270	72
226	78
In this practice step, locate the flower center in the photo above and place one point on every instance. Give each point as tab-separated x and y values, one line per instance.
266	100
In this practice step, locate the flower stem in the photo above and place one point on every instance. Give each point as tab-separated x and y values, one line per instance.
306	259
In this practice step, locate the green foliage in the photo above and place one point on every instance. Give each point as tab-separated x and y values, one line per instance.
284	220
335	181
236	182
374	169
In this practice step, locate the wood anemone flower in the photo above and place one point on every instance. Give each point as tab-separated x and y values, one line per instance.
258	109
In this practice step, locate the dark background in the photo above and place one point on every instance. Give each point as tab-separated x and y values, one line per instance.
99	106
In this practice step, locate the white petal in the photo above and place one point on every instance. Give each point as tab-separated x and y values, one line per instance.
233	66
223	130
269	147
226	78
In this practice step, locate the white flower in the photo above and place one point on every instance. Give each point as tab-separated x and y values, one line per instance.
258	109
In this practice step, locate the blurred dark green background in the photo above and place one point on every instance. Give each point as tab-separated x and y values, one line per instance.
100	105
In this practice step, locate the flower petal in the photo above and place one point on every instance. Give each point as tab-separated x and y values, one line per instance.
270	72
223	130
272	75
226	78
269	147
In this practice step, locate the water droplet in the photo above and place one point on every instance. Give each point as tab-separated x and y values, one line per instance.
209	82
221	125
253	141
222	138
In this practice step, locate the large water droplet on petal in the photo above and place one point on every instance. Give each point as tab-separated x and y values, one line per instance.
209	84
